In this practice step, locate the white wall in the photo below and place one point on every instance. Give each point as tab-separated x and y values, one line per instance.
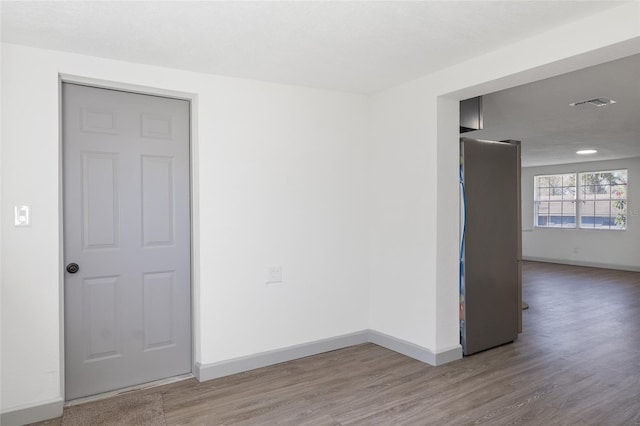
414	168
620	249
281	181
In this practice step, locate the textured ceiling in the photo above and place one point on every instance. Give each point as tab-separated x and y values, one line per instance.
358	46
551	131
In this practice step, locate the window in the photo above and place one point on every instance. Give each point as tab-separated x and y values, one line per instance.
555	201
603	200
597	199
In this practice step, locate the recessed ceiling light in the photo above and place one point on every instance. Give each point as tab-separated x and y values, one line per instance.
586	151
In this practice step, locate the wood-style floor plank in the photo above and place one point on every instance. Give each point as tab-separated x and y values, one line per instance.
576	363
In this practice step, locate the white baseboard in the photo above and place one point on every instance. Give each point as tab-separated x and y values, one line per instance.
238	365
448	355
250	362
583	263
414	351
32	413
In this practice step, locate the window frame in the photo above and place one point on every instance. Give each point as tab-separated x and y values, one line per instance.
537	201
580	200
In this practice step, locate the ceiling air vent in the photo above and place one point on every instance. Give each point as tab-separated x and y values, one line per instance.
599	102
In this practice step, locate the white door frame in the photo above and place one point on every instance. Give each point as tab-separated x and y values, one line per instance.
192	98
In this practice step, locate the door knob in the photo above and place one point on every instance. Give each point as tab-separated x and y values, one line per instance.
72	268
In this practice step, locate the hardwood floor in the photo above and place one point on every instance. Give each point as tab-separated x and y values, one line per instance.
576	363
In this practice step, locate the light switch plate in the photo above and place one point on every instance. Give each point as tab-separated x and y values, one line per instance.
22	216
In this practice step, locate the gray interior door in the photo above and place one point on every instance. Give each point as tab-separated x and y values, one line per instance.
127	227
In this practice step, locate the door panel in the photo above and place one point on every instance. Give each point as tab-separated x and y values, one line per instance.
158	309
127	225
100	317
157	201
100	200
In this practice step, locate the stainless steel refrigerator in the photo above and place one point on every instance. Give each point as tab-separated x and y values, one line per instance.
490	252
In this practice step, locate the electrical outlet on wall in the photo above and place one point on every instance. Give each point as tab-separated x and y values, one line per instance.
274	274
576	250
